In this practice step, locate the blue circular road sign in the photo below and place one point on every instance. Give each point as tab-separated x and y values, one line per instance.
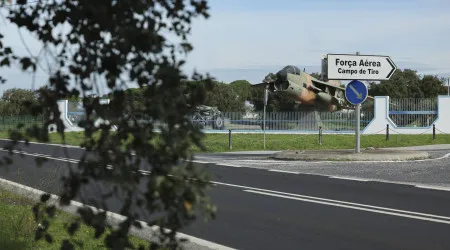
356	92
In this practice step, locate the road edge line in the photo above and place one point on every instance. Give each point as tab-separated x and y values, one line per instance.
113	218
43	143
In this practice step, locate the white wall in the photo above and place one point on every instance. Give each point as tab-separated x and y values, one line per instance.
381	119
376	126
69	126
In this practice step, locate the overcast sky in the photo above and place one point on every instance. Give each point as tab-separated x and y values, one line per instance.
246	39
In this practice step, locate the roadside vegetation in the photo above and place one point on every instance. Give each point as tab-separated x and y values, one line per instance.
250	142
18	227
244	142
100	47
89	48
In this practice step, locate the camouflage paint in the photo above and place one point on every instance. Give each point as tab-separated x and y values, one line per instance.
305	89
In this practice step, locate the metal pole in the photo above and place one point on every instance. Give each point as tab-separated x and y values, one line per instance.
434	132
387	132
320	135
264	127
264	123
448	86
230	142
358	125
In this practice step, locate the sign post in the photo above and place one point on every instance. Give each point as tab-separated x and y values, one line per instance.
358	67
356	93
448	86
266	97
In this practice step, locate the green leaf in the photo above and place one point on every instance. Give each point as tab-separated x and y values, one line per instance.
38	234
7	50
5	62
48	238
45	197
67	245
27	63
51	210
73	228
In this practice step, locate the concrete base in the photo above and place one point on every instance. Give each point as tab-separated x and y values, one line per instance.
369	154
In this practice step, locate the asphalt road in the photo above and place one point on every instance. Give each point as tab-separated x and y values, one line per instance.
260	207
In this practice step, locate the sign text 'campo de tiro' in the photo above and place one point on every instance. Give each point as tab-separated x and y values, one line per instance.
359	67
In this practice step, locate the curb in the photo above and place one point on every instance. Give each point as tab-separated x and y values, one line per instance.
147	233
380	156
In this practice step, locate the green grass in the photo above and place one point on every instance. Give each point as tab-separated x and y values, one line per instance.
245	142
18	227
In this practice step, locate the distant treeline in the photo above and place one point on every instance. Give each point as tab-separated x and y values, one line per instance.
231	97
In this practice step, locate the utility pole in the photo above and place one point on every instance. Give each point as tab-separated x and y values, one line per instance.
264	122
358	125
324	64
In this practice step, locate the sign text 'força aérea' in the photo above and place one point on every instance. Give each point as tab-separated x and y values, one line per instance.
359	67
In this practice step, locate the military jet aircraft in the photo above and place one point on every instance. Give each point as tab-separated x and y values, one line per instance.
305	89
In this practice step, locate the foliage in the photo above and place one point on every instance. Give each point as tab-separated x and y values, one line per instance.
18	227
121	42
225	98
231	97
408	84
316	75
243	88
17	101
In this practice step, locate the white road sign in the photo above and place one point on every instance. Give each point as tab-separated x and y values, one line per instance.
359	67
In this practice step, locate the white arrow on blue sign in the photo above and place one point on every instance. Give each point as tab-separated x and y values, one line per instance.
356	92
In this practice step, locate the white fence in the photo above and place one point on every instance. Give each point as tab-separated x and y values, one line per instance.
407	113
382	119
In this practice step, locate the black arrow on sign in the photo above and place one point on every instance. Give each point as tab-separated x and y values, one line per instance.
393	67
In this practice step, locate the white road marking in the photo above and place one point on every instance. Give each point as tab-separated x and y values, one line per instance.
243	153
433	187
229	165
418	185
338	203
202	162
265	161
276	193
49	144
400	213
41	156
253	189
283	171
348	178
334	202
318	200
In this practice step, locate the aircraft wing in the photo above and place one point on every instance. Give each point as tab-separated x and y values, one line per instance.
321	83
263	84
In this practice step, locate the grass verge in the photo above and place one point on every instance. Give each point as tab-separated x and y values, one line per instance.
244	142
248	142
18	227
